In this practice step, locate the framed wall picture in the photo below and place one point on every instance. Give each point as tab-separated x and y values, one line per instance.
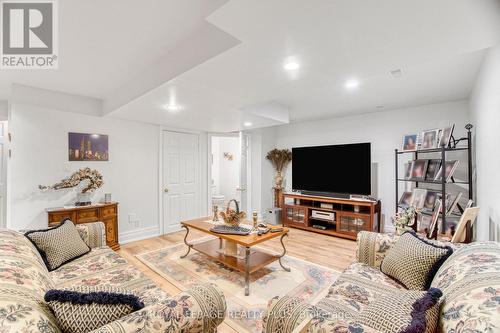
406	199
410	142
446	135
432	169
418	169
87	147
430	139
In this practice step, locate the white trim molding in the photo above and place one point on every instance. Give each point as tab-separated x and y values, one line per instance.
138	234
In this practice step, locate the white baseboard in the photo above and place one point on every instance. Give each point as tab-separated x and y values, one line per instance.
172	228
140	234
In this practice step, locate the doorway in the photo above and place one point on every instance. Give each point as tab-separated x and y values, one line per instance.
3	173
228	176
181	179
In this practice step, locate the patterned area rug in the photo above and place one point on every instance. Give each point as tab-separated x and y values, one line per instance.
306	280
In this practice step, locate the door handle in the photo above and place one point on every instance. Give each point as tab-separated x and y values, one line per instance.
165	190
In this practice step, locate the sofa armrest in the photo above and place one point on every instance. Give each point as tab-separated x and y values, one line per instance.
291	315
287	315
321	326
93	234
200	309
372	247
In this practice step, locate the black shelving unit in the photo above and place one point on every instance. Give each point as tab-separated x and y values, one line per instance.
452	146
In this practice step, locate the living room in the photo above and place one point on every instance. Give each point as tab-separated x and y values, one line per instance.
246	166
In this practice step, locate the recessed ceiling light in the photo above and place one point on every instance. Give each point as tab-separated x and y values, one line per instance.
172	107
352	84
247	124
291	65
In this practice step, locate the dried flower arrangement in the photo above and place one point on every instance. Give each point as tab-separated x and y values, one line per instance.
93	176
279	159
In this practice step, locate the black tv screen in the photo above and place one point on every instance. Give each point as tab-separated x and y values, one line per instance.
344	169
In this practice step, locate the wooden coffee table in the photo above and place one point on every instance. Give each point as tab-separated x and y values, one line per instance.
253	260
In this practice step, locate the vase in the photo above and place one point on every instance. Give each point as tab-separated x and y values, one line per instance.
83	199
278	180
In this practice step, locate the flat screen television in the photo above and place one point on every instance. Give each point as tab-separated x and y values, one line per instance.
338	169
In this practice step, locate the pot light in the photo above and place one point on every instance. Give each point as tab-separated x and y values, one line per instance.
172	107
247	124
291	64
352	84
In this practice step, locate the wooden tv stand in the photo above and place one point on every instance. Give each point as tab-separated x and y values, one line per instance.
351	216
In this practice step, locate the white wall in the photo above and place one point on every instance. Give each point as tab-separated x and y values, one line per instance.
485	115
40	156
225	173
384	130
4	110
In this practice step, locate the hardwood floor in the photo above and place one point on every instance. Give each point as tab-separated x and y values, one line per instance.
333	252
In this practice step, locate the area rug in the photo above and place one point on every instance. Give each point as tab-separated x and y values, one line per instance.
307	281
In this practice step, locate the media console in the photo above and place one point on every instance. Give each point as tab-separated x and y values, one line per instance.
350	216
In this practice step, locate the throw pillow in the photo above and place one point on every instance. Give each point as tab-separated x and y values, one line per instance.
86	308
58	245
405	311
414	261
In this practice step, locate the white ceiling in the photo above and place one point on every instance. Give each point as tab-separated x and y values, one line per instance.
220	59
105	44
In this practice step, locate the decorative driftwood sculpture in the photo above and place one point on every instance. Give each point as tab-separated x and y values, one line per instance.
93	176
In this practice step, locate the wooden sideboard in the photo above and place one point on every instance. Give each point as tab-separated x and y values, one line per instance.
106	213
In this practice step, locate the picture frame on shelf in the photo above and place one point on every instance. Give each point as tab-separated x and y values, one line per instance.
449	167
418	198
406	199
430	200
407	167
434	219
446	135
410	142
469	215
430	139
454	204
423	223
418	169
432	169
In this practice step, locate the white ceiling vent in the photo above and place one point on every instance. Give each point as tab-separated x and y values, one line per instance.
397	73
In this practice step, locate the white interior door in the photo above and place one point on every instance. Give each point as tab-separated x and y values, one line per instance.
181	183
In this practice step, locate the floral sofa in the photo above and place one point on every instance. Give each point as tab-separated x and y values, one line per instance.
469	280
24	280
